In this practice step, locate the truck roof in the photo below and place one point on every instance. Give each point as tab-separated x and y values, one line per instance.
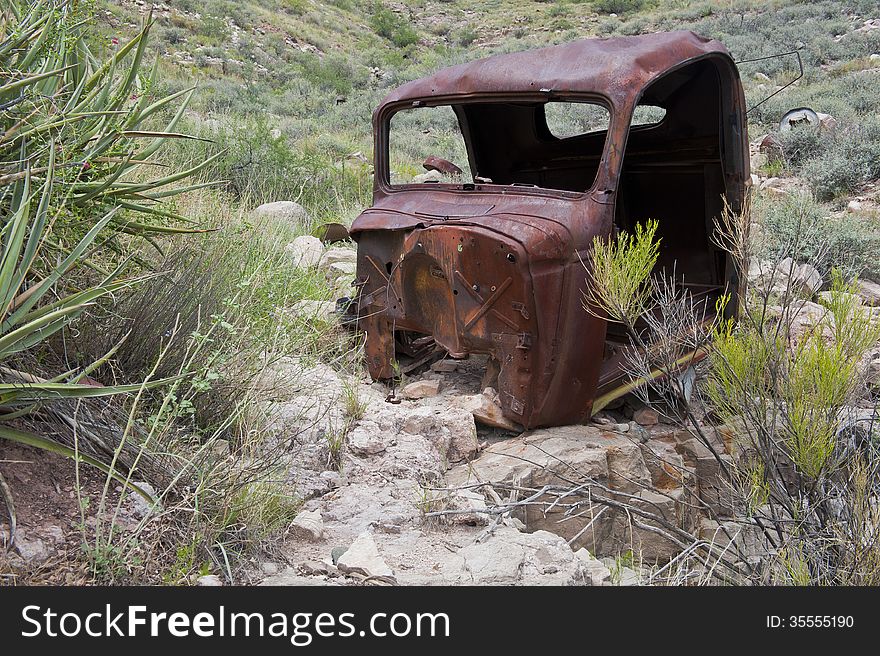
618	68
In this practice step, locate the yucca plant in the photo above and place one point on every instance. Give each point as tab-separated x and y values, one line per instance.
77	146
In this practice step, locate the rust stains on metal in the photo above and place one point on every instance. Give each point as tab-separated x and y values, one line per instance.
493	265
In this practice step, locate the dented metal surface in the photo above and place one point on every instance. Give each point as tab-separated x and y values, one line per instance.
496	268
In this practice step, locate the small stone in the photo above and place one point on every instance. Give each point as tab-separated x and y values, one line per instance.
421	389
872	375
763	77
338	254
470	501
139	506
444	366
646	416
596	571
827	123
827	298
639	431
430	176
210	580
854	206
33	551
308	525
806	278
362	557
628	577
336	554
334	479
486	409
317	568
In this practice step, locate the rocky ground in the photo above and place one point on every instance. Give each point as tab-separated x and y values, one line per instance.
430	485
435	487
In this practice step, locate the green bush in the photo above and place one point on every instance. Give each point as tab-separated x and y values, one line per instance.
800	228
617	6
393	27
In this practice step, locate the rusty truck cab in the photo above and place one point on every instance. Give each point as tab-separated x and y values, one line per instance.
486	256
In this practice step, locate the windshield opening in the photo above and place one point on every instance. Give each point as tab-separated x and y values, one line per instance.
553	145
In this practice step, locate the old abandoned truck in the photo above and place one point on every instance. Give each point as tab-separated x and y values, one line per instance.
541	152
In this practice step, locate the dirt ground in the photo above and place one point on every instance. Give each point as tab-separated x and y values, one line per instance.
44	491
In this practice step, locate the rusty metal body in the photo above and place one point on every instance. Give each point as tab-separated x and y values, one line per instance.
496	268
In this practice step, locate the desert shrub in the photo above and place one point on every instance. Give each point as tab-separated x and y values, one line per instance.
801	468
798	227
852	160
393	27
333	72
466	37
617	6
802	143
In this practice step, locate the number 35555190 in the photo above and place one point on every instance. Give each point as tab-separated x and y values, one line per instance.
810	622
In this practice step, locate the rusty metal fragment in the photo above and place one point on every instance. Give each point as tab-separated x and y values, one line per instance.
496	267
434	163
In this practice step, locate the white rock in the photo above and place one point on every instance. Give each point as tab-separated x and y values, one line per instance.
508	557
452	431
308	525
430	176
827	123
806	277
471	507
285	211
826	298
366	439
596	571
486	409
336	254
305	251
362	557
139	506
854	206
210	580
420	389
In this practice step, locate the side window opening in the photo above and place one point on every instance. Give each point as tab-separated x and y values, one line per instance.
647	115
565	120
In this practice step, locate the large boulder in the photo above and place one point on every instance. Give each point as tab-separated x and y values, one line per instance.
591	462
